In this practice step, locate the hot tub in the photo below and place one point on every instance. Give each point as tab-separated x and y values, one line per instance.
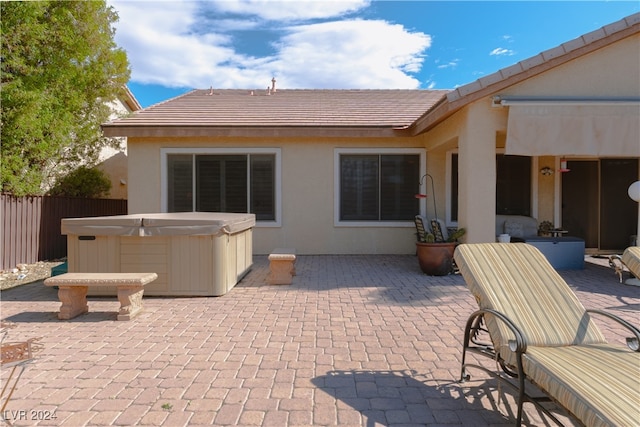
194	253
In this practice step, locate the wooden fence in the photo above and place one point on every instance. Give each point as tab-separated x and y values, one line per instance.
30	226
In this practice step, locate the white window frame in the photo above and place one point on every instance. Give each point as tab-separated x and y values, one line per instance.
277	152
372	151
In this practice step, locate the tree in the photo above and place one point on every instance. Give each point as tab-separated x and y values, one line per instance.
83	182
59	68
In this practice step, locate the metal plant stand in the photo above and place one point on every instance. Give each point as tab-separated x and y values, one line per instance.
16	356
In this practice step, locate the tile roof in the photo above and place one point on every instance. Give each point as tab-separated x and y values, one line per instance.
129	98
345	112
226	108
527	68
623	27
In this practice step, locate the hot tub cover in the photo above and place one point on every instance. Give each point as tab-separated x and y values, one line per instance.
160	224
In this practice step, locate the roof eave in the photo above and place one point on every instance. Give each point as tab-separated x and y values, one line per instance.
523	70
130	99
111	130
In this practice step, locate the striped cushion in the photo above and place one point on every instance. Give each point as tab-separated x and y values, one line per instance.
631	258
518	281
595	381
604	393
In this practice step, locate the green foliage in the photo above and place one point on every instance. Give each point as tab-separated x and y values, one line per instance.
60	66
457	234
453	237
545	227
83	182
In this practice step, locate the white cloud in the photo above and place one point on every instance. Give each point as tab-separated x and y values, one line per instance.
500	51
351	54
164	49
290	10
234	24
451	64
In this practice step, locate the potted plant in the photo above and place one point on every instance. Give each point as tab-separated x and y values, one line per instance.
436	257
545	228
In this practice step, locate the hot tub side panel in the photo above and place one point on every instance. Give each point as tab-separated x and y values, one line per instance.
191	270
147	254
234	255
94	254
120	254
201	265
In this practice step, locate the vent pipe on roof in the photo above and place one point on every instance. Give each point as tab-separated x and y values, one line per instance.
273	85
211	91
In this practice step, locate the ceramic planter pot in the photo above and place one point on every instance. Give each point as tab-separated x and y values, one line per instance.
436	259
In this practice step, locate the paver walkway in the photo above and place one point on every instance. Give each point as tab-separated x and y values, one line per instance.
354	341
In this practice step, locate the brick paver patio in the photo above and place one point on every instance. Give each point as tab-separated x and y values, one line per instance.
354	341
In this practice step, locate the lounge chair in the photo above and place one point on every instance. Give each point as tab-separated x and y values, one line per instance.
631	259
541	333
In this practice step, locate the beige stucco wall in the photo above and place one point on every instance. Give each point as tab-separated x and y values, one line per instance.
308	201
308	175
478	130
546	189
613	71
113	161
115	167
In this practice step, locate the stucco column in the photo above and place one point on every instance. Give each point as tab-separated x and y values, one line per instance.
477	174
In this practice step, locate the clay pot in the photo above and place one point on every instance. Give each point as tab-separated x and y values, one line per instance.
436	259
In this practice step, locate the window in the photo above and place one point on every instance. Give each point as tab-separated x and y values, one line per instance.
219	181
513	185
377	186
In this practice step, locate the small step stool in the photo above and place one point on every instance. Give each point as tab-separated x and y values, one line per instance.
282	266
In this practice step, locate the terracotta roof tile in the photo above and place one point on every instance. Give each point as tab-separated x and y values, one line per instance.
493	83
284	108
549	58
373	112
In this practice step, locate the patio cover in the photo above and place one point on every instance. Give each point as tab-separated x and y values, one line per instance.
567	129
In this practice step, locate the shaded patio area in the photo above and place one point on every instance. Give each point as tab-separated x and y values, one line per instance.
354	341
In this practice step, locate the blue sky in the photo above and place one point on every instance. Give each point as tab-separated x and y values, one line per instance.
177	46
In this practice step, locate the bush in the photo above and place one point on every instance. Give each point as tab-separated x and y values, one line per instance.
83	182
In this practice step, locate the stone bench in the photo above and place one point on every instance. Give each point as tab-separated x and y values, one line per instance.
282	266
73	287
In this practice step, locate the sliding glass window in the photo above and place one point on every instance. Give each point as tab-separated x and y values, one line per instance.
379	187
236	183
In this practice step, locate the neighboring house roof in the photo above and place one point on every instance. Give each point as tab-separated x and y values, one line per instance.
129	99
525	69
124	104
344	112
208	112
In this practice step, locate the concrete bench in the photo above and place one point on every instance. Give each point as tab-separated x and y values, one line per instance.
72	291
282	266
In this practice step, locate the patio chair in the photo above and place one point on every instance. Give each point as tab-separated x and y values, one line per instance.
436	227
421	230
439	230
539	332
631	259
